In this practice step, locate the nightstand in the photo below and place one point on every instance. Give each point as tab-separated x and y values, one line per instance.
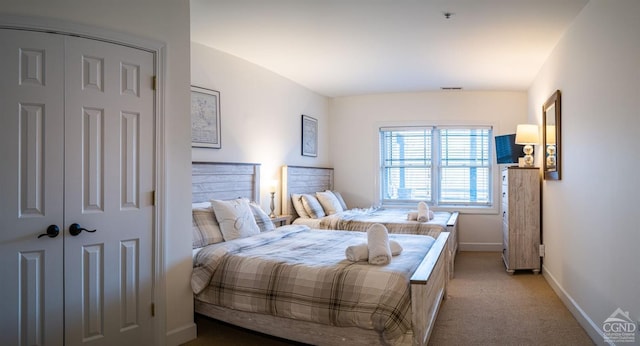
281	220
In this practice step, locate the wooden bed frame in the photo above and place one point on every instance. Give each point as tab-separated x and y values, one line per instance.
301	180
224	180
428	282
309	180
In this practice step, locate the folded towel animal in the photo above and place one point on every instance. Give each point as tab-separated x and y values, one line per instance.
423	212
413	215
378	244
360	252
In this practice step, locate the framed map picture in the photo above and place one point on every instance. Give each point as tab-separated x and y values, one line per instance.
309	136
205	118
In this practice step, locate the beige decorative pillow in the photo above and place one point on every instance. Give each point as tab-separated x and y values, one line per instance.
296	200
340	199
205	229
329	202
262	219
312	206
235	218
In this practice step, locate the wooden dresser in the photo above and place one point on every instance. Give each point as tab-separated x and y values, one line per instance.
521	218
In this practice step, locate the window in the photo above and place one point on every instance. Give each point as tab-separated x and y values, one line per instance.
440	165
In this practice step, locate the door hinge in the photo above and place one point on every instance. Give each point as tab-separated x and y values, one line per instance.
153	197
153	310
541	250
154	82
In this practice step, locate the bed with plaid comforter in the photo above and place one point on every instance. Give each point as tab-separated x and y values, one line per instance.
394	219
299	273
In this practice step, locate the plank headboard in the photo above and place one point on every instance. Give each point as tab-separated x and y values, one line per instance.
299	179
224	180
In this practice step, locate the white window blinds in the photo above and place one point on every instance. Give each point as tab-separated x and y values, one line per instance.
440	165
464	166
406	163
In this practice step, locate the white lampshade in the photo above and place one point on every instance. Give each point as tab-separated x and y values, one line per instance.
527	134
273	185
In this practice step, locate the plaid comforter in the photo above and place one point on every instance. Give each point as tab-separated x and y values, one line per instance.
394	219
303	274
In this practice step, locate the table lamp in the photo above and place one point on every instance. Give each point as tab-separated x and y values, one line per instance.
527	134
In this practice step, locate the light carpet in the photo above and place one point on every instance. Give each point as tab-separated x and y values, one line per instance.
485	306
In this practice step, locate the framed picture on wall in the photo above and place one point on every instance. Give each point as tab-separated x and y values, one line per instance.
309	136
205	118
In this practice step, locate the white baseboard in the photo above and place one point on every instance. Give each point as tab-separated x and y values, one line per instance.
589	326
181	335
489	247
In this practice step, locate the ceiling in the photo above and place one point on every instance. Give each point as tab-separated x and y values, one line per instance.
352	47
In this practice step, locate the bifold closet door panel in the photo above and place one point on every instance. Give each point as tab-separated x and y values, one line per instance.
31	188
109	177
77	137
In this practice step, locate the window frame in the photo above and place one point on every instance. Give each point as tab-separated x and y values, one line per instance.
381	167
436	169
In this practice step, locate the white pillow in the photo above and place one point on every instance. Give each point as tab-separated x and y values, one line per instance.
340	199
204	227
329	202
262	219
312	206
296	200
235	218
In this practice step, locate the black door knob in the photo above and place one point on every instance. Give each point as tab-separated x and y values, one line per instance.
75	229
52	231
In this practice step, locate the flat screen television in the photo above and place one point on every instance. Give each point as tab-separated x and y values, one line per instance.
507	151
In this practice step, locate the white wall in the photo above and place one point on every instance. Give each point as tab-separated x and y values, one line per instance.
590	217
166	21
260	116
354	142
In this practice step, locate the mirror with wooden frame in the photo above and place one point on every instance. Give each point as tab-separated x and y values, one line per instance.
551	136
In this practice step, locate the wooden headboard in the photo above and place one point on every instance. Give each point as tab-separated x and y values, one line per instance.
299	179
224	180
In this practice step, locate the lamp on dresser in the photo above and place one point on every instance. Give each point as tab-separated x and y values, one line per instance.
527	134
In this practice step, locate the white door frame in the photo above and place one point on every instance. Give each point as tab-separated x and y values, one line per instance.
159	50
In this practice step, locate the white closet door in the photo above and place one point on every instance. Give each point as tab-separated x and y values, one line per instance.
109	179
31	188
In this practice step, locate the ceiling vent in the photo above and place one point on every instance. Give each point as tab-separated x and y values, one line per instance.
451	88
